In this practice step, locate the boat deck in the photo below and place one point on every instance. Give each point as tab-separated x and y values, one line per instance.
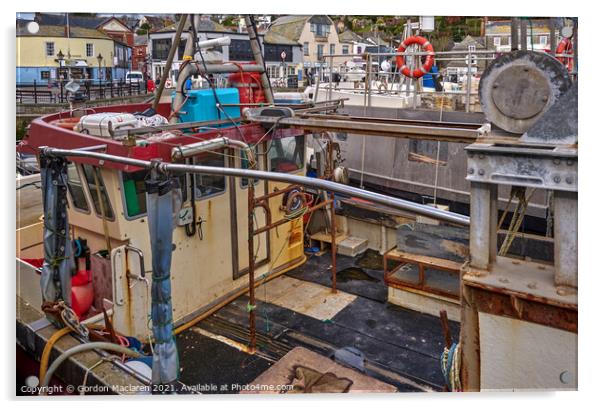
401	347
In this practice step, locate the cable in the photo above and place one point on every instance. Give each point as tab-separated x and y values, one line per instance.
107	346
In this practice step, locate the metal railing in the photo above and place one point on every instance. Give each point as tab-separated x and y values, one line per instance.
54	92
398	83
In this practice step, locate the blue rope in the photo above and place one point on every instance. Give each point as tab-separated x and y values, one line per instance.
447	360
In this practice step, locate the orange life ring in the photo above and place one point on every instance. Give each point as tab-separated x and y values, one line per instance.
565	47
428	64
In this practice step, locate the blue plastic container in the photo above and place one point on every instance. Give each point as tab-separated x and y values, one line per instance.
201	105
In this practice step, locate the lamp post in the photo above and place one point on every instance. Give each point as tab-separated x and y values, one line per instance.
99	58
60	59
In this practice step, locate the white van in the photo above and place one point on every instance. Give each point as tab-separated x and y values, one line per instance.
134	76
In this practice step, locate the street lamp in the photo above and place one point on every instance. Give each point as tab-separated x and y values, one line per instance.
60	59
99	58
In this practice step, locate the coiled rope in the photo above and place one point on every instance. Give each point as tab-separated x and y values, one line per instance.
450	367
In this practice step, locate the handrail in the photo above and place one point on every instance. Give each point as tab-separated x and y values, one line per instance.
327	185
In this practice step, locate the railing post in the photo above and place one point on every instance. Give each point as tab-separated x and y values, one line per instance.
35	92
62	95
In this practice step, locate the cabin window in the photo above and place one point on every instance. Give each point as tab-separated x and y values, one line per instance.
287	154
426	152
134	192
89	172
76	189
244	164
209	185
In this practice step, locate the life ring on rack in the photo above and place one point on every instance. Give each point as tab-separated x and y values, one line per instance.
565	47
428	63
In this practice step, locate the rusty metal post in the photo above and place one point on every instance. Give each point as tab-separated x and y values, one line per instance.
470	367
251	306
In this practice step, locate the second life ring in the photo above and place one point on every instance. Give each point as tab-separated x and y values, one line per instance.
565	47
428	64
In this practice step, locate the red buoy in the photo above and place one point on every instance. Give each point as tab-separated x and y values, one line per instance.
428	64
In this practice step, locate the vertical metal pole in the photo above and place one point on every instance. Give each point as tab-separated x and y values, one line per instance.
170	57
468	79
251	247
480	214
35	92
330	79
369	79
333	238
514	34
523	34
333	221
493	220
256	49
552	27
575	46
565	238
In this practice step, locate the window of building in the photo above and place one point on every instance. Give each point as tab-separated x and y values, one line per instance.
345	49
244	164
359	49
332	49
45	75
92	174
273	52
134	193
76	188
426	151
306	49
497	41
209	185
287	154
543	40
320	30
240	50
320	51
49	49
161	48
89	50
291	70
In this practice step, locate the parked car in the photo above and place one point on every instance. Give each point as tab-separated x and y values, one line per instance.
134	76
354	74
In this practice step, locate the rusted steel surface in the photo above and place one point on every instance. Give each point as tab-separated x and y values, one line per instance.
533	310
470	366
